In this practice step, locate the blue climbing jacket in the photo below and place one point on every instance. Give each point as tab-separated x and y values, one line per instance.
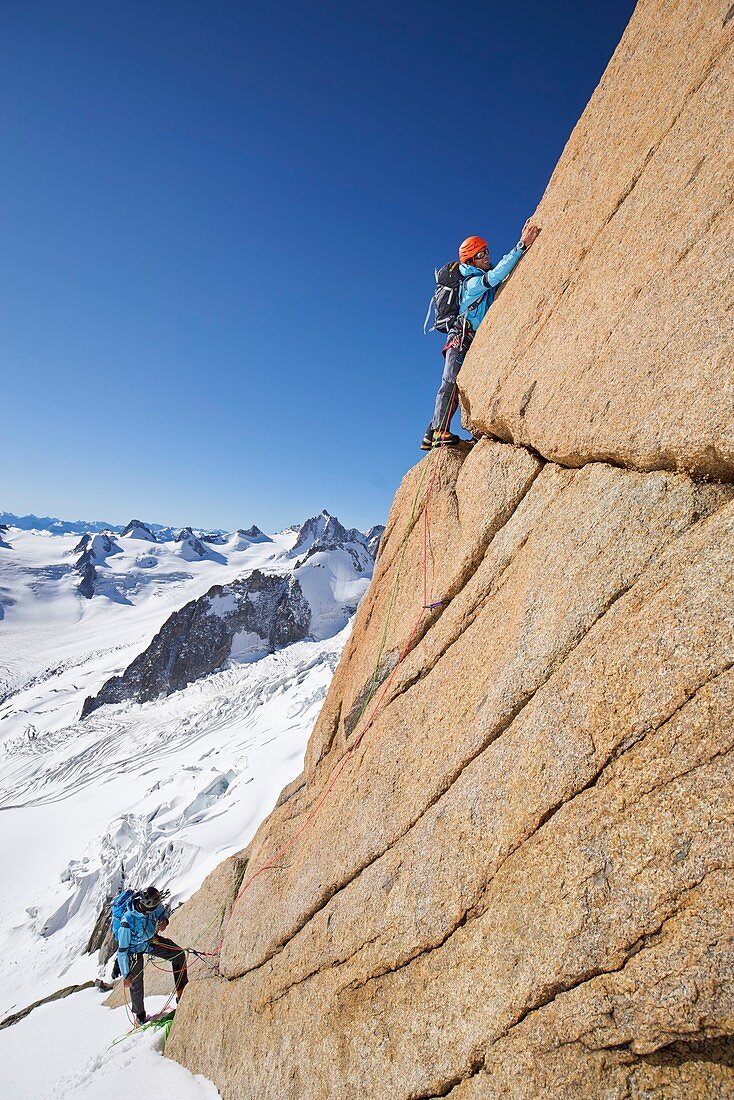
135	933
478	287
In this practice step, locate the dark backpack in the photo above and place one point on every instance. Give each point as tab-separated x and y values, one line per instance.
445	300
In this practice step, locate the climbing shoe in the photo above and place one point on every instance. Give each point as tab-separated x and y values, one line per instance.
427	439
445	439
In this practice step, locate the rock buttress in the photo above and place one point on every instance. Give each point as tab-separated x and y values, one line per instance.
529	850
520	885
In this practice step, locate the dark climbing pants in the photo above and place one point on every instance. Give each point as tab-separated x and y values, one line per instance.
160	948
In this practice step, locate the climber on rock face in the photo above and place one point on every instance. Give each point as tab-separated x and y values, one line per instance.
477	283
143	917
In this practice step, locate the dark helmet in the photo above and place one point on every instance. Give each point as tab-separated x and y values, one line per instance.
150	898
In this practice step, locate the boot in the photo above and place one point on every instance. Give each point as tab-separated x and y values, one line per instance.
445	439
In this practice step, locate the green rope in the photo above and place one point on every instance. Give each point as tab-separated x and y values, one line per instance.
163	1025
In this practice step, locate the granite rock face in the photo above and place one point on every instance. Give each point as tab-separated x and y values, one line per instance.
266	610
613	340
512	847
526	860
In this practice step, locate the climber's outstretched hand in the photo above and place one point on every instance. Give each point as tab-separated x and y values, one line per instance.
529	233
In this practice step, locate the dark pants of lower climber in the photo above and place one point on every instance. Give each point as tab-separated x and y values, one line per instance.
160	948
447	398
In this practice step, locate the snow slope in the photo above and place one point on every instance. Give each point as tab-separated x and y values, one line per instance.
160	791
77	1047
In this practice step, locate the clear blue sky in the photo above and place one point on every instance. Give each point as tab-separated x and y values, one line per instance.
219	224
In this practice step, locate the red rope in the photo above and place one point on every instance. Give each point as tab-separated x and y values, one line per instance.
292	840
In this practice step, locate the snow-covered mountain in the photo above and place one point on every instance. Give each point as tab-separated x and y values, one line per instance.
56	526
136	529
208	656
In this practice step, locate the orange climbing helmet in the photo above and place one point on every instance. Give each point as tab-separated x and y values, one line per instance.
469	248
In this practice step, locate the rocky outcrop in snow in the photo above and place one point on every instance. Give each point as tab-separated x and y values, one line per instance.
519	885
253	534
243	538
190	544
103	546
4	545
87	571
136	529
93	550
262	612
82	545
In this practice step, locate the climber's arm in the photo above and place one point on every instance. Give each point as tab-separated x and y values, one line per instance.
124	937
501	270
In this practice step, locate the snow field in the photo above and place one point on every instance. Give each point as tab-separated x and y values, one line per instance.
136	793
65	1049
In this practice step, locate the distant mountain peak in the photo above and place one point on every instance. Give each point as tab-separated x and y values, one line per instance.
191	543
253	534
54	525
325	532
136	529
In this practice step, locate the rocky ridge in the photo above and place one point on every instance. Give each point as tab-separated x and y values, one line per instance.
136	529
254	534
92	550
260	613
520	884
